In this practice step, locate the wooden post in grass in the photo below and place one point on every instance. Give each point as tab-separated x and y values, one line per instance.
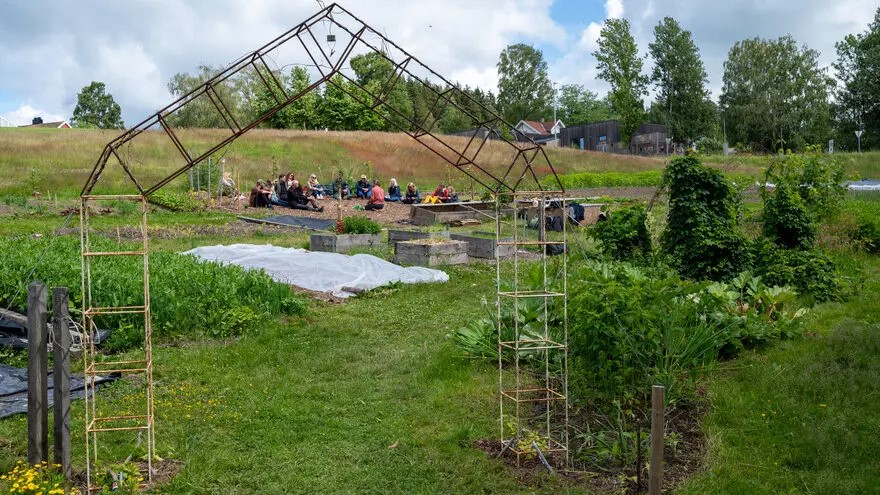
658	413
61	378
38	413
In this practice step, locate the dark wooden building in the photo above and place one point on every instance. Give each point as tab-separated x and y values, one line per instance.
605	136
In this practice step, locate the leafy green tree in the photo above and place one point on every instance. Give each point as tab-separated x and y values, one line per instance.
621	67
775	95
96	108
858	93
578	105
338	110
524	89
201	112
298	115
683	103
376	75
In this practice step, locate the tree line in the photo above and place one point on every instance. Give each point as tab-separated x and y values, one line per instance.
775	95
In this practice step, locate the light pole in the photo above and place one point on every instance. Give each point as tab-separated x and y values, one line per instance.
859	138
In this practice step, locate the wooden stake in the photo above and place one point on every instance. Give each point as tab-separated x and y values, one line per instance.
658	414
38	413
61	378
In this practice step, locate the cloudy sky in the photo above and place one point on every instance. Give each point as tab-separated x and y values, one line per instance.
50	49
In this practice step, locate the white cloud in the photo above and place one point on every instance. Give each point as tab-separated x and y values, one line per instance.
25	114
614	9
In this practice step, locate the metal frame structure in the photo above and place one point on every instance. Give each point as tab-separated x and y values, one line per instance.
531	395
355	36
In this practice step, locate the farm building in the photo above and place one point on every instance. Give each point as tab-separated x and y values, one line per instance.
605	136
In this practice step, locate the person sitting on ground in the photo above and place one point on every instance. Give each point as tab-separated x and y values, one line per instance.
260	195
279	192
297	199
363	188
441	194
315	188
412	195
452	196
227	185
393	191
377	197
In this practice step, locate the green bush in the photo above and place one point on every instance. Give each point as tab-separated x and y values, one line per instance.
176	201
702	234
360	225
809	272
868	233
625	233
188	297
786	221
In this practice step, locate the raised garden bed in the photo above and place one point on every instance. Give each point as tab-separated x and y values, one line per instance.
397	235
342	243
430	252
426	214
483	245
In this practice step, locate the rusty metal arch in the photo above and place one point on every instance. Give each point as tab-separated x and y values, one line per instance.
329	63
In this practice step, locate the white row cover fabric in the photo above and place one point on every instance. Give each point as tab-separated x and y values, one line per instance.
322	272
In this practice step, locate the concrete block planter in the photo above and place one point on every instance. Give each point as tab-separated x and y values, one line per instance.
397	235
483	245
342	243
430	252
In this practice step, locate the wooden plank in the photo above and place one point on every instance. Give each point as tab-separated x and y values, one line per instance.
61	378
38	413
658	414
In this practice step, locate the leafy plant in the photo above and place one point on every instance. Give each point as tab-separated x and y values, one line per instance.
360	225
176	201
868	232
121	478
702	233
811	273
189	297
625	234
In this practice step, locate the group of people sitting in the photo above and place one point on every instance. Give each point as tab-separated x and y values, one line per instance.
288	192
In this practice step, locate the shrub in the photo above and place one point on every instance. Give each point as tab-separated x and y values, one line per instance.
176	201
786	221
868	233
360	225
702	234
809	272
625	234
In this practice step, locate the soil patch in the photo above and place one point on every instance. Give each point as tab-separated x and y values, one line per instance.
681	461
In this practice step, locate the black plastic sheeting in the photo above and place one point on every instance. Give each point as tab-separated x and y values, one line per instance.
14	334
14	393
292	221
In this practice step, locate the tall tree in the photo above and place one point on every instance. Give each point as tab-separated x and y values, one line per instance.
578	105
96	108
201	112
376	74
524	89
858	93
775	95
621	67
298	115
683	103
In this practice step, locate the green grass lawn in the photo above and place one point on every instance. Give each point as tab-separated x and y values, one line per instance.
312	405
802	417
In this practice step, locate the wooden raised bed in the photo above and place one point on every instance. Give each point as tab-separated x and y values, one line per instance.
426	214
430	252
483	245
342	243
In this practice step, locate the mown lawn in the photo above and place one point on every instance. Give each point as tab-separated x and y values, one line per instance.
365	397
802	417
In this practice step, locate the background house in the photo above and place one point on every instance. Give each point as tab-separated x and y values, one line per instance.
38	122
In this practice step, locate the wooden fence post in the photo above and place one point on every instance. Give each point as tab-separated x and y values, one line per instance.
658	414
61	378
38	413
